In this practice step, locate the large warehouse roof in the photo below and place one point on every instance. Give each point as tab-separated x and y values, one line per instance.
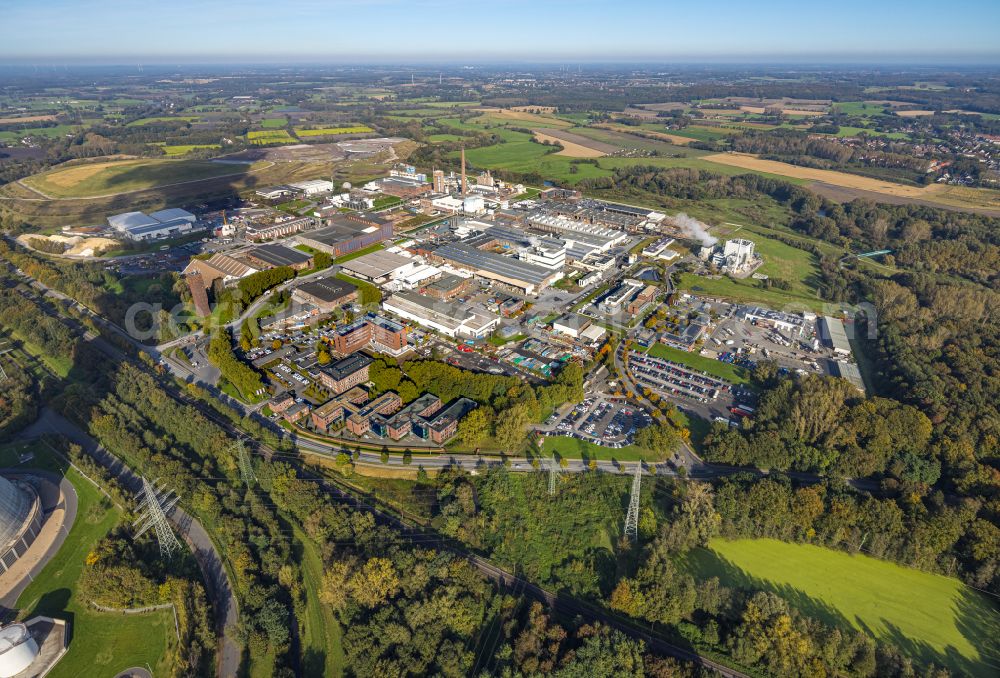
376	264
279	255
508	267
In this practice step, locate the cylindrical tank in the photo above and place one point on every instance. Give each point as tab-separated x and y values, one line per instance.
17	649
15	506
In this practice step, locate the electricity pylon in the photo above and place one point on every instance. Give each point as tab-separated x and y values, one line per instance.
4	351
246	468
154	504
632	517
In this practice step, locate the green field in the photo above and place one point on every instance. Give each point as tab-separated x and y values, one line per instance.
694	132
332	131
174	151
798	267
574	448
859	108
438	138
273	123
47	132
360	253
716	368
322	651
102	643
274	136
163	118
928	616
121	176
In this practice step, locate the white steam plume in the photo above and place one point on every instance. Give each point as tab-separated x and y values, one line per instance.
694	229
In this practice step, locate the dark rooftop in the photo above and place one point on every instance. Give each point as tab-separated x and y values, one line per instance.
279	255
327	290
348	366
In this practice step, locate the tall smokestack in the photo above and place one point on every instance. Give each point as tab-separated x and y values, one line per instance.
463	171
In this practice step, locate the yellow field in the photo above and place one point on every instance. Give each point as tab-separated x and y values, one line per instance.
569	148
331	131
72	176
508	114
27	118
959	196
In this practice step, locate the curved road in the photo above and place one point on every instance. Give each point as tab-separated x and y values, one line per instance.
194	534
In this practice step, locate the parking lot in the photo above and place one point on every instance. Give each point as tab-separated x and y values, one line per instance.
603	420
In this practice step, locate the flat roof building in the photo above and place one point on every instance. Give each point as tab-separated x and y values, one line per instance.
347	233
834	335
448	318
326	294
521	275
271	256
347	373
378	267
166	223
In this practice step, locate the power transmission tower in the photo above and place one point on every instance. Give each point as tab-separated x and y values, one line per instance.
246	468
154	505
553	471
4	351
632	518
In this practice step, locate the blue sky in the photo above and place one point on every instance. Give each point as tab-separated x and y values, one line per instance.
510	30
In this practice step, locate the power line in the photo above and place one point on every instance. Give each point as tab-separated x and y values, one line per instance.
632	517
154	505
246	467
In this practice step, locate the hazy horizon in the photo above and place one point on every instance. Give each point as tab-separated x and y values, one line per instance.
366	31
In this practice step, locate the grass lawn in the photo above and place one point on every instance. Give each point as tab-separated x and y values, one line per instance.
102	643
273	123
745	291
120	176
360	253
367	293
574	448
322	652
731	373
59	365
930	617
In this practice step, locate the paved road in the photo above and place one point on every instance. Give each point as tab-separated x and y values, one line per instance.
197	538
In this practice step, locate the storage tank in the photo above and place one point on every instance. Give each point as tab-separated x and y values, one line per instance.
15	507
17	649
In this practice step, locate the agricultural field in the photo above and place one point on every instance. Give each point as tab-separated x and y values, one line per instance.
439	138
575	146
273	123
102	642
694	132
121	176
866	109
932	617
13	136
331	131
265	137
178	150
938	193
163	118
